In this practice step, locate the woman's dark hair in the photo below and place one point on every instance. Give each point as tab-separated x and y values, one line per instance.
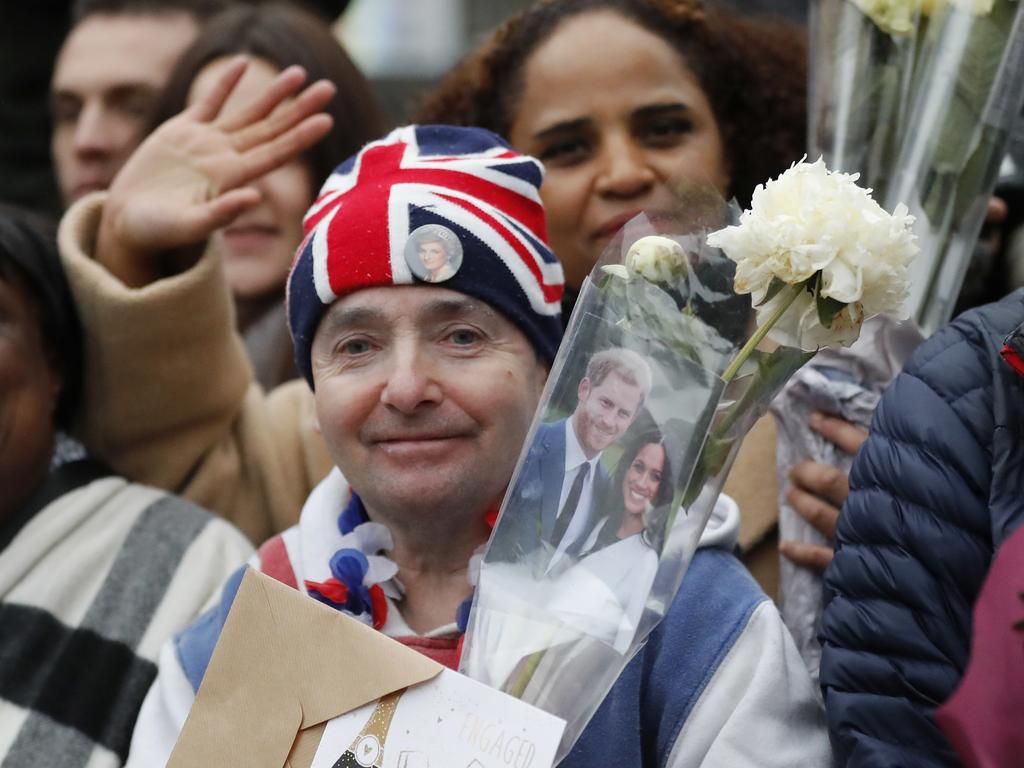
29	258
752	70
284	35
615	508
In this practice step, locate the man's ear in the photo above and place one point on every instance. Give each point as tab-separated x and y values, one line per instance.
583	389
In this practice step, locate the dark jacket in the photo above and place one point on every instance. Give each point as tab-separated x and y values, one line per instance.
935	490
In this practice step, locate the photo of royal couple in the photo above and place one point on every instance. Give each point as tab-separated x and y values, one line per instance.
599	484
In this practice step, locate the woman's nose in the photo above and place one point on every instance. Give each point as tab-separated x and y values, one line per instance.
625	169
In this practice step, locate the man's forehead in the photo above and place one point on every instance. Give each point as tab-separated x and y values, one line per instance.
395	304
615	380
123	49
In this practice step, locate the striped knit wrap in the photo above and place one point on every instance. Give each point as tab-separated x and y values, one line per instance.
91	586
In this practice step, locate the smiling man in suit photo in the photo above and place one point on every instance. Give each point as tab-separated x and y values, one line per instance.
562	472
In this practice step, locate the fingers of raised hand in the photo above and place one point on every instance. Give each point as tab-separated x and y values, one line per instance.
282	116
209	106
813	556
281	87
273	154
849	437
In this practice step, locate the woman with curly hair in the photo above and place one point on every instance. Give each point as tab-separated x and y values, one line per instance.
624	100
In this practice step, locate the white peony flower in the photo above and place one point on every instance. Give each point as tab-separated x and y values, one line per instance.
657	259
617	270
897	17
977	7
809	221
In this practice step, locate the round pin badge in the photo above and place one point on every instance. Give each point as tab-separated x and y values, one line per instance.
433	253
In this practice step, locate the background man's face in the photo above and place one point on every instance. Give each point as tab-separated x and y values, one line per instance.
424	397
433	255
604	412
107	78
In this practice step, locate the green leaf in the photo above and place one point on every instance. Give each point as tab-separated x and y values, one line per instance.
828	308
776	285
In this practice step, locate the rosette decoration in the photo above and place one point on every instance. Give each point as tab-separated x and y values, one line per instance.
568	591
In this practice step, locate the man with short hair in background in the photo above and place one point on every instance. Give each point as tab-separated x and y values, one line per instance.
110	70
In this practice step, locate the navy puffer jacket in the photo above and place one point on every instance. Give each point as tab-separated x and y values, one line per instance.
935	490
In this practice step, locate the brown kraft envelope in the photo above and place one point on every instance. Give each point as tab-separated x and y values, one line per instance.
284	665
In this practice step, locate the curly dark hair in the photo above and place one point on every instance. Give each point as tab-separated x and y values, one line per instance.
283	35
753	71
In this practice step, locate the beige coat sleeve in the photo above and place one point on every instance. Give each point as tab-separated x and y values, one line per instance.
168	394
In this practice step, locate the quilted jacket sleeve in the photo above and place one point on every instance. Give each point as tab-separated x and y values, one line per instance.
914	545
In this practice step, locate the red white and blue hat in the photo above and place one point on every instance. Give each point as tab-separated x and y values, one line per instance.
464	187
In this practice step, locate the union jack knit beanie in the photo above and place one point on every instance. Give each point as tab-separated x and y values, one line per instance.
430	204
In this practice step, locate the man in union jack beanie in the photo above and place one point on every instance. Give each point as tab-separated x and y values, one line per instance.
424	305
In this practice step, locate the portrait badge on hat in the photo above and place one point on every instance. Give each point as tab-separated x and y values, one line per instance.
433	253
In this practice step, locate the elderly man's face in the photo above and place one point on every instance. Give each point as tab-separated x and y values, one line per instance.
424	397
106	81
28	397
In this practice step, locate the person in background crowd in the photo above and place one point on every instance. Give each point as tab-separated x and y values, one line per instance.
424	394
625	100
30	40
111	68
258	247
935	490
95	572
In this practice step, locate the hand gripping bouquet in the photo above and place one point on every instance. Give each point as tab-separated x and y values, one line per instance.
681	336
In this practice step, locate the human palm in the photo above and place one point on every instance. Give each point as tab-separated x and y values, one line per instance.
189	177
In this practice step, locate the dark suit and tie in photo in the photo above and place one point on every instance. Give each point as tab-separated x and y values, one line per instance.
563	525
550	514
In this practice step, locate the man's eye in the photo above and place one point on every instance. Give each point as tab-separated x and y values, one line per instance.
463	337
354	347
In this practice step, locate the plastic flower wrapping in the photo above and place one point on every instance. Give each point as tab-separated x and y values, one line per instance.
665	365
919	97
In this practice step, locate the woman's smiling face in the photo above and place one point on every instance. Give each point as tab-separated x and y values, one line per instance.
617	118
643	479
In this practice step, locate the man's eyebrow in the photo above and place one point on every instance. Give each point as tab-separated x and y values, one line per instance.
345	318
452	307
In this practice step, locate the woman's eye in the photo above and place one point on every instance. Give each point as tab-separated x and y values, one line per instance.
666	131
564	151
656	477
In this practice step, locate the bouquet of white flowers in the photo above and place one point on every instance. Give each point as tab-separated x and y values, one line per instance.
664	367
968	90
919	97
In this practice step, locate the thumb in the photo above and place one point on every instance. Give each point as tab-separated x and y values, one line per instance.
204	219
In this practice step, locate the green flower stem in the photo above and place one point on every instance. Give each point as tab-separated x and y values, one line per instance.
526	675
760	333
